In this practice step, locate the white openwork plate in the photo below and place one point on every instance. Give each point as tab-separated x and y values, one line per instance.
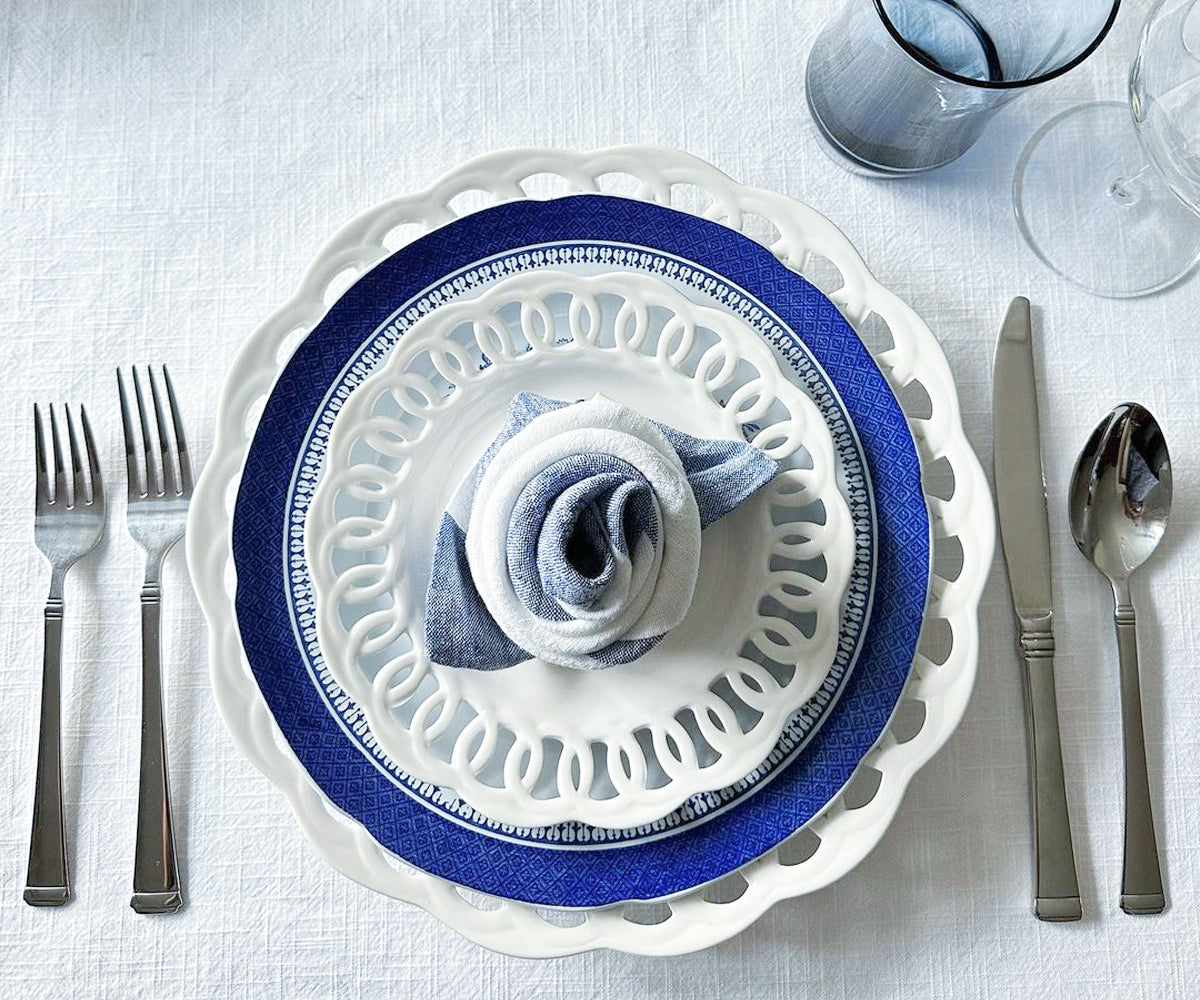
540	744
960	511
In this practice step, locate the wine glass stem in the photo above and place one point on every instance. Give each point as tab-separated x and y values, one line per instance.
1127	189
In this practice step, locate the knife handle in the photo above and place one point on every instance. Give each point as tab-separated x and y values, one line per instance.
1056	887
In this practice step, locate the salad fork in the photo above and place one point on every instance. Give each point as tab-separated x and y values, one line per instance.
68	524
156	516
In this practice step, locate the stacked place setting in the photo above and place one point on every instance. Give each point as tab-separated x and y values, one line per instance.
567	556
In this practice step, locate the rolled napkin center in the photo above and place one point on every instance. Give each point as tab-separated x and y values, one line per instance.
579	517
576	537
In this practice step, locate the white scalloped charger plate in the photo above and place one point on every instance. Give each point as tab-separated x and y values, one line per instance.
936	693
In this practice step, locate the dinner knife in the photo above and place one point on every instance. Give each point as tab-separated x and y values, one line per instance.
1025	536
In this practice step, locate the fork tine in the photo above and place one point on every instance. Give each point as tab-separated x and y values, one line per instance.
44	496
61	493
185	465
78	479
153	483
164	441
131	467
89	445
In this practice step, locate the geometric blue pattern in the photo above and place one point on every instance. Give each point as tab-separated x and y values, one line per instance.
608	873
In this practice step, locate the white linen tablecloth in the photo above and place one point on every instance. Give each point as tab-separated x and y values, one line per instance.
167	171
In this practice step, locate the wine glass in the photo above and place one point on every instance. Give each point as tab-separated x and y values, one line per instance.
900	86
1108	194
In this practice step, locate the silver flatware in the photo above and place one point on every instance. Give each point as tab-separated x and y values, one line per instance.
1025	534
160	486
1119	503
68	524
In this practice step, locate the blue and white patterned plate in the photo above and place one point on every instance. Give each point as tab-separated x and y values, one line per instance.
573	865
776	615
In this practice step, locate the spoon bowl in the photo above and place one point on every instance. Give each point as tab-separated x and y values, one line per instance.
1120	495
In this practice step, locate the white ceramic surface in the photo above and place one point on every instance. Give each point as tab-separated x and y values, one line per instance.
801	238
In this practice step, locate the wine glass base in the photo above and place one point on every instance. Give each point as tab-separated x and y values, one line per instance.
1093	209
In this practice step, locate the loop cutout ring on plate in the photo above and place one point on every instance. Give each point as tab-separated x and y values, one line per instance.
534	745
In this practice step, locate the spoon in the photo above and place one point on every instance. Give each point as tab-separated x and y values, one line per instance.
1119	501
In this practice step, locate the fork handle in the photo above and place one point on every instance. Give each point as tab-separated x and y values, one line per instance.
46	881
1141	880
156	887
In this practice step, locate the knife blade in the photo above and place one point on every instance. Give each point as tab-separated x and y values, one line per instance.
1025	538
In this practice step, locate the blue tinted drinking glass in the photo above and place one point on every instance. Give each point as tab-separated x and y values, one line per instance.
901	86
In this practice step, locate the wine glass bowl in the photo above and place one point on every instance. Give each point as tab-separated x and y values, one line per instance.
1164	96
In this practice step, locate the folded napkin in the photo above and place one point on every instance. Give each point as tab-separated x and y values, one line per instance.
576	537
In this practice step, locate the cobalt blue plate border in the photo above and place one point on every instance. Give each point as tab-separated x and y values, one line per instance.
600	875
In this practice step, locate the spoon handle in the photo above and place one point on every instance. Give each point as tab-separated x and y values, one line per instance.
1141	881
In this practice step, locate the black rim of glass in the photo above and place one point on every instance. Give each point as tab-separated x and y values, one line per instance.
924	59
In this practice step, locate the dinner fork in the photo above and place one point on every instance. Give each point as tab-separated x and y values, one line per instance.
68	523
156	516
